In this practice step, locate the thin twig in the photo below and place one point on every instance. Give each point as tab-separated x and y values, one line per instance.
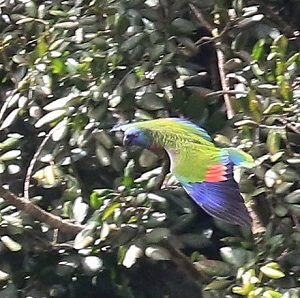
222	92
220	59
32	164
201	18
224	83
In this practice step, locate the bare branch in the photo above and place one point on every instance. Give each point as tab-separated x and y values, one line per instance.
220	58
31	166
53	221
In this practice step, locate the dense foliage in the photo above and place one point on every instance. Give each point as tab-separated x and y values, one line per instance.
70	70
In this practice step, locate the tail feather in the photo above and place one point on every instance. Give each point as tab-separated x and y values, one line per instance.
239	157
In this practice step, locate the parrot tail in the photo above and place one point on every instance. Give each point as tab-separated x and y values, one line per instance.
239	158
220	199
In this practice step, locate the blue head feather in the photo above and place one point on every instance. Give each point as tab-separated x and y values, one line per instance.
136	136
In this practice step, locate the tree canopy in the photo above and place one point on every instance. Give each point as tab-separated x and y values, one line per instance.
82	216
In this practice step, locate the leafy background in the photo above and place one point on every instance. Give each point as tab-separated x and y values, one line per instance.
70	70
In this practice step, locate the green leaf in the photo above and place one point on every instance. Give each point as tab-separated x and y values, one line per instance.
286	91
293	59
280	68
295	208
10	142
271	270
157	253
257	69
84	237
2	167
183	25
254	106
258	49
274	108
50	118
56	44
281	43
95	200
272	294
213	267
58	13
132	42
11	244
24	21
98	65
4	276
129	258
281	211
273	141
235	256
122	24
66	25
239	290
97	197
151	102
62	102
293	197
11	117
58	66
59	131
110	210
218	285
41	48
10	155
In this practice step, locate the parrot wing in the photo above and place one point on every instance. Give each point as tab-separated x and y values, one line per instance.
221	200
209	182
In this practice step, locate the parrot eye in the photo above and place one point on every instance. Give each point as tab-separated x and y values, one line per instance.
128	139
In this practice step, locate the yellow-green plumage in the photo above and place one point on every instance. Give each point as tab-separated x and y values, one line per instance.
204	170
185	144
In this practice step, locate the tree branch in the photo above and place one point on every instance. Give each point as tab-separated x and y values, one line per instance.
53	221
280	23
185	265
31	166
220	59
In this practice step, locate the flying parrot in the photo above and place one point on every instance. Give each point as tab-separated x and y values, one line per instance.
204	170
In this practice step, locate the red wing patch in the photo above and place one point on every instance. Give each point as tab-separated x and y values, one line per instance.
216	173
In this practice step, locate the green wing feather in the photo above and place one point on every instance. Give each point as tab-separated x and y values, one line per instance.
189	147
192	161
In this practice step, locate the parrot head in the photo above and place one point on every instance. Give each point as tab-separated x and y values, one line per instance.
137	137
134	136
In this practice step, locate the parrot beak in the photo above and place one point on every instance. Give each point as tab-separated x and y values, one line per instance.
127	140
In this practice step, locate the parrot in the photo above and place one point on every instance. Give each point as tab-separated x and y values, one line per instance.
204	170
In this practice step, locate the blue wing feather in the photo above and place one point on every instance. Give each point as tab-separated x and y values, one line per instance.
220	199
